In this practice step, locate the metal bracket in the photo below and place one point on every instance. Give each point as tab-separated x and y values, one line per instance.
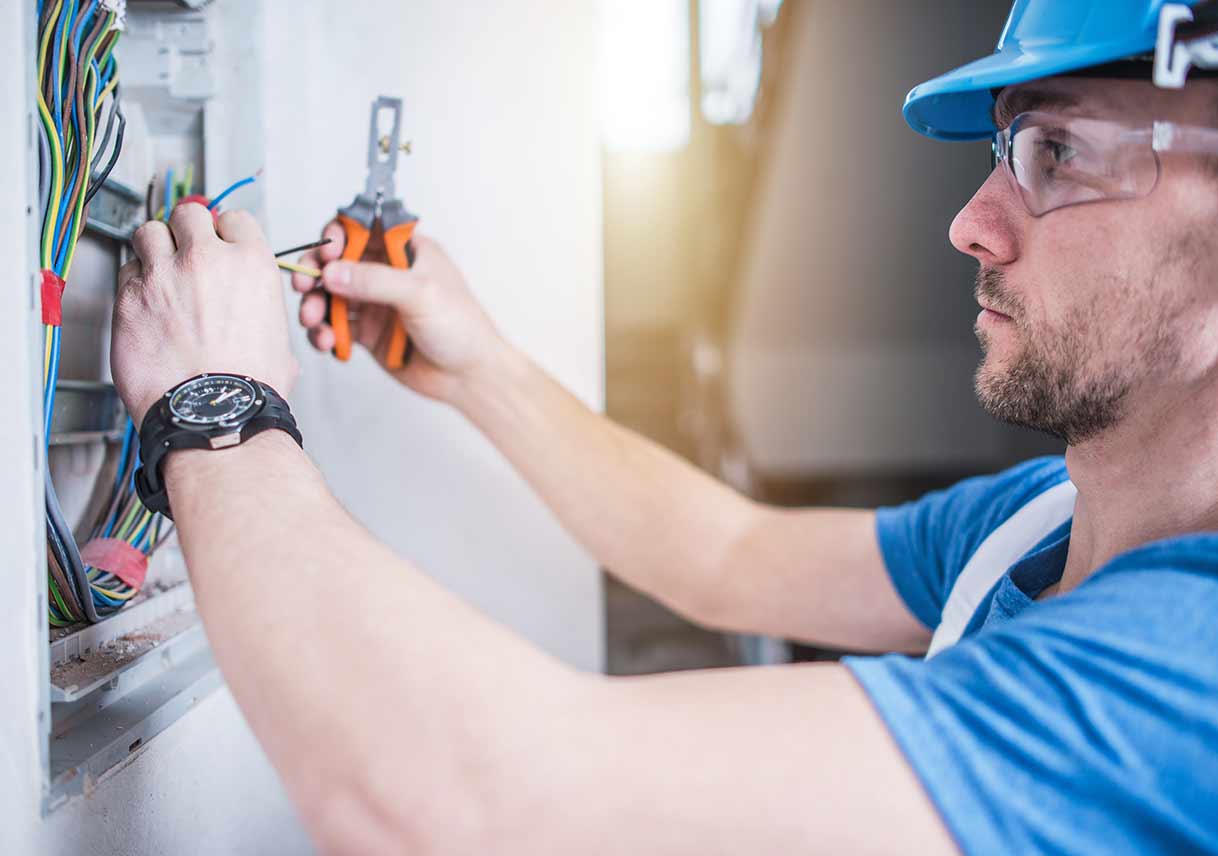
116	211
86	412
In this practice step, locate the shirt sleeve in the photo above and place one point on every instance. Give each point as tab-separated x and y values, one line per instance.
1086	724
926	543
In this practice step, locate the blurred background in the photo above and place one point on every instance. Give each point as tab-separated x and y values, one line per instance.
782	305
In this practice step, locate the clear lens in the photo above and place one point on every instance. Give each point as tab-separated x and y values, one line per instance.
1065	160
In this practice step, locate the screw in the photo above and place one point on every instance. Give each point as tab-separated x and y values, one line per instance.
384	145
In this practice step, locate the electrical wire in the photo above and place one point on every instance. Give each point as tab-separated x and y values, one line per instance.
168	209
109	167
79	92
216	200
105	140
78	88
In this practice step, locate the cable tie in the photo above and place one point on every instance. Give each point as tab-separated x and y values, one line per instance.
52	298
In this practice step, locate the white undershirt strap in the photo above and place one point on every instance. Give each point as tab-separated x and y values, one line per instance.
1005	546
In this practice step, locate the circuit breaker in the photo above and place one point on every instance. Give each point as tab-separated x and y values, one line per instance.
133	110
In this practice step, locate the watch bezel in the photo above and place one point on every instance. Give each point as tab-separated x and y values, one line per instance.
231	425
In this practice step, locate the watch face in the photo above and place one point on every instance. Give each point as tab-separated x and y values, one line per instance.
213	399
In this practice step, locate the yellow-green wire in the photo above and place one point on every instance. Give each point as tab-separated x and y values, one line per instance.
46	41
44	114
88	141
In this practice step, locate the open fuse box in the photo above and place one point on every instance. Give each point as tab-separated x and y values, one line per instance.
162	113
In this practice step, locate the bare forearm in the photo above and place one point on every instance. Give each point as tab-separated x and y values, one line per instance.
403	721
645	514
351	666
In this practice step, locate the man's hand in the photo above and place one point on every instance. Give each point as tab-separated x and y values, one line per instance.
453	337
198	298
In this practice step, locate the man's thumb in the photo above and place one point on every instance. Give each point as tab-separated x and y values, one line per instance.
369	282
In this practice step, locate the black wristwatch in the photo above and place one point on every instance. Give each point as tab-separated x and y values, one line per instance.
209	411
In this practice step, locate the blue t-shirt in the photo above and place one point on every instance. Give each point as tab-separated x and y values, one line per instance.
1086	723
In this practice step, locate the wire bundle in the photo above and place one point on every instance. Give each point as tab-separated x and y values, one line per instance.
78	85
78	95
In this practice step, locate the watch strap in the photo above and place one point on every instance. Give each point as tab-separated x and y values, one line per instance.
159	436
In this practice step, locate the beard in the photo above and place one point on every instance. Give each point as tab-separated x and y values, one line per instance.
1049	385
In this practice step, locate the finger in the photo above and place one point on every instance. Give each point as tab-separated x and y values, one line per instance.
374	327
128	272
321	337
372	282
153	243
312	309
319	257
239	226
191	225
338	242
302	282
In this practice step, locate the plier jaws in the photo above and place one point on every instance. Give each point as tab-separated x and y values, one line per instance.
376	217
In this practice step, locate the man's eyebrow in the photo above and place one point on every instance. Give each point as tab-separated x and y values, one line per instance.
1007	107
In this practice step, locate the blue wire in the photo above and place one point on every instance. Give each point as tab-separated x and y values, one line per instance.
122	455
139	532
99	598
64	19
113	521
168	192
84	23
234	186
59	257
49	393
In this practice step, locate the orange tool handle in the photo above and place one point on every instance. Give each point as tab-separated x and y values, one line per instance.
398	249
357	236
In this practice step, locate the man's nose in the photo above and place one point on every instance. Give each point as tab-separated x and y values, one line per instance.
987	228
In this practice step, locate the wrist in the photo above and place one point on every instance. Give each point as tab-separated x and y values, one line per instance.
498	373
185	471
214	412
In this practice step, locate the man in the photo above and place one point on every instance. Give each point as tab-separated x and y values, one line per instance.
1076	710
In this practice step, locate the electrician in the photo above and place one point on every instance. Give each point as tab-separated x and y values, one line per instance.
1070	605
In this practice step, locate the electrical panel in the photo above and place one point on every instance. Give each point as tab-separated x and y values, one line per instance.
132	111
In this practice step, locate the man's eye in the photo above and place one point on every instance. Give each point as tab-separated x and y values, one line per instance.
1056	153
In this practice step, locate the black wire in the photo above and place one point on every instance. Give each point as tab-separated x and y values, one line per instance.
304	247
105	173
72	564
75	610
148	198
105	140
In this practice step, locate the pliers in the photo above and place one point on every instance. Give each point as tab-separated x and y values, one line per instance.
376	220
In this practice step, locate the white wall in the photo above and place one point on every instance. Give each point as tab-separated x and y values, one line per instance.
501	104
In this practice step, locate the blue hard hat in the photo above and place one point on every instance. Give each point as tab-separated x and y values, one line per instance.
1042	38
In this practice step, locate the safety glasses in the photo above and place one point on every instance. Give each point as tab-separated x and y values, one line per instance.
1053	161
